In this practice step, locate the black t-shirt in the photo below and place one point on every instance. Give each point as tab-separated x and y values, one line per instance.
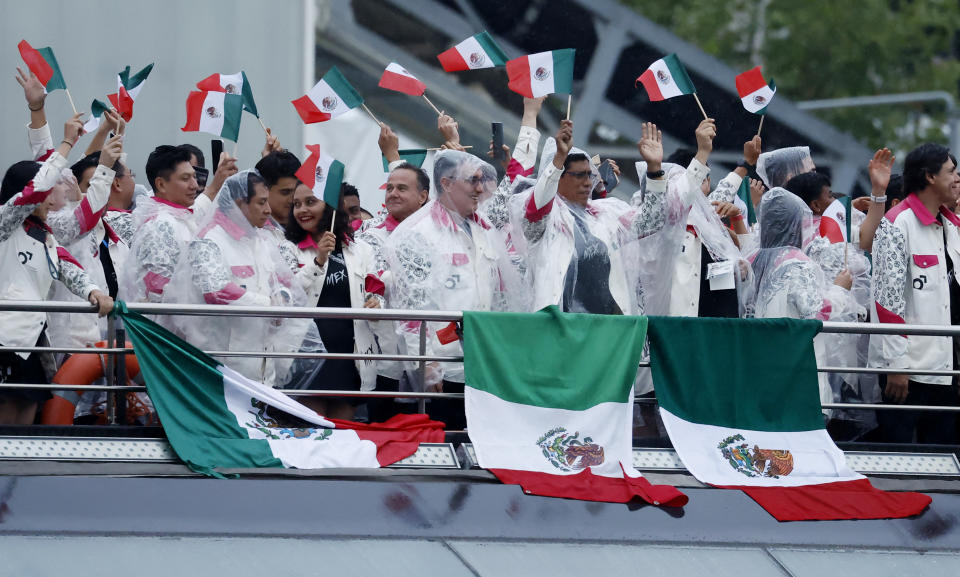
337	334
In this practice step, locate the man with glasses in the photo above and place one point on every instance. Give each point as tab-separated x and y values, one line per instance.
575	244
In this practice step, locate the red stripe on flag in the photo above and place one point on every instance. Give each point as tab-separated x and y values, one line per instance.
122	101
35	62
831	230
452	61
518	70
835	501
398	437
586	486
211	84
649	82
750	81
307	173
400	83
308	111
194	111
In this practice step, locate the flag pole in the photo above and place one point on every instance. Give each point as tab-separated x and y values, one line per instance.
695	97
432	105
333	217
762	116
262	125
441	148
70	98
371	114
236	145
570	101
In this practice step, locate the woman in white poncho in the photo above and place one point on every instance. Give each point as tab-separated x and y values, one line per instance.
790	284
232	261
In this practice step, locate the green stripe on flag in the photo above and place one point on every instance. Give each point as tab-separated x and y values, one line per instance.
344	90
744	193
247	92
773	87
563	70
553	359
679	74
131	82
186	388
847	209
757	374
490	47
415	156
331	189
97	108
56	81
232	112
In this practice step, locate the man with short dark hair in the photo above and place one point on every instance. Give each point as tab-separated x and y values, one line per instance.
813	188
915	252
350	202
279	170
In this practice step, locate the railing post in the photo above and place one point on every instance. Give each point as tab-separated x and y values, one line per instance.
422	370
110	372
121	372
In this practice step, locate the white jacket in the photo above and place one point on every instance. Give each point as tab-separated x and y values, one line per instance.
910	286
390	343
363	282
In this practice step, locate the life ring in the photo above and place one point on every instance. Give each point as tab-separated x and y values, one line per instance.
79	369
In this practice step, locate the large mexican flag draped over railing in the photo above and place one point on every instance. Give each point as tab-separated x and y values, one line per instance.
740	401
215	417
549	402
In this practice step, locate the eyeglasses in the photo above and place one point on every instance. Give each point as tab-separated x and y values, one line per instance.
475	180
582	175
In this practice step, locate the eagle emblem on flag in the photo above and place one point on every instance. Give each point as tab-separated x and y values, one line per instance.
759	100
319	173
662	77
329	103
212	112
477	59
773	463
569	452
541	74
276	424
230	89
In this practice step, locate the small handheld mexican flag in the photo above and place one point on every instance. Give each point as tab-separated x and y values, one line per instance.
323	174
744	194
478	51
97	109
215	113
835	221
231	84
329	98
128	89
563	400
666	78
214	417
544	73
744	413
397	78
44	66
755	93
414	156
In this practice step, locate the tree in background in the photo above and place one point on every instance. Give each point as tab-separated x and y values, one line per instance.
827	49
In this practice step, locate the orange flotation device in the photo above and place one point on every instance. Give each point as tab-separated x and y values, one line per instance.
79	369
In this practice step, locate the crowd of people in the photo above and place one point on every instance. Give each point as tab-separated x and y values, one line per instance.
539	229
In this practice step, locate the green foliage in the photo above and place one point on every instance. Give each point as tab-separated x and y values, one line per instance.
827	49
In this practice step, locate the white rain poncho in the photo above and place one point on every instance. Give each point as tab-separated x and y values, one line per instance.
440	260
776	167
790	284
231	262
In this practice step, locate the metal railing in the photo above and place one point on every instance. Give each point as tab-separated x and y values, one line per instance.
114	370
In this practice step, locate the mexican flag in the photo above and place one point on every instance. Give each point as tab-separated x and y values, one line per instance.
744	413
322	173
755	93
396	77
666	78
231	84
835	221
44	66
744	194
215	417
415	156
563	401
128	88
331	97
215	113
97	109
544	73
478	51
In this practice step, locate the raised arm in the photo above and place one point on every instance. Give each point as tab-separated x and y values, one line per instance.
69	225
727	188
879	168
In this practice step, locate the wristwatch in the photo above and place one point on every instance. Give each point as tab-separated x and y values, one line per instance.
657	174
744	164
879	199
